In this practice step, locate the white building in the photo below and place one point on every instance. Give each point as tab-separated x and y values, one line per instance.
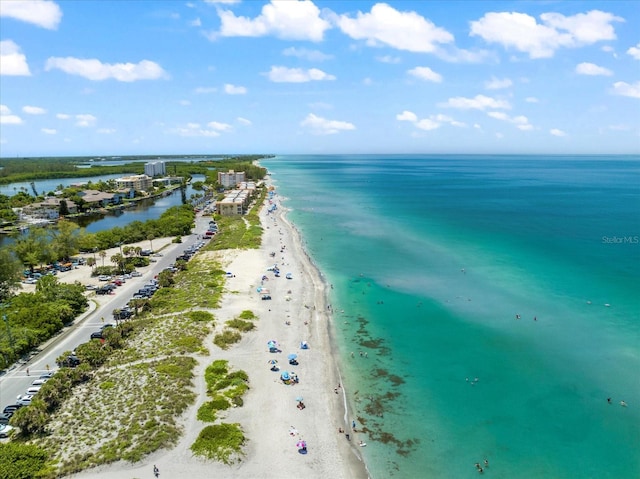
135	182
231	178
155	168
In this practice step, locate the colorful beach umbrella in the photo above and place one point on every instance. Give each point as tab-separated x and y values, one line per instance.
301	444
273	361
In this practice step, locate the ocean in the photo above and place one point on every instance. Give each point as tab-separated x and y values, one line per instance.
485	307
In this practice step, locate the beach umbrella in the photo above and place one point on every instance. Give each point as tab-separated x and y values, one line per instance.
273	362
292	356
299	399
285	375
301	444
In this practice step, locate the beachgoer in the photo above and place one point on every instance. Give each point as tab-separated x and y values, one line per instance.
480	470
623	404
27	371
353	424
347	436
486	463
335	390
609	400
156	471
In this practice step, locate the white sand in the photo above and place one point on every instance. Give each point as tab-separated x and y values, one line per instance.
269	410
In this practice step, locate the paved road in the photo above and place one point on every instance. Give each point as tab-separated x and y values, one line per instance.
16	381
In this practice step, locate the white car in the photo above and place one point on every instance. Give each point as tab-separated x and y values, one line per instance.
33	390
25	400
104	277
5	429
39	382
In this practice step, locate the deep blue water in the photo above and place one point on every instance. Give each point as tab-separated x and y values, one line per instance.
432	260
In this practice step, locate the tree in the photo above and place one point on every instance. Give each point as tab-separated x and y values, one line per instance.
65	239
64	208
91	262
10	273
33	248
103	255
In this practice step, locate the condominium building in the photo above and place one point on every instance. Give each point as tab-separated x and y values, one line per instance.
231	178
155	168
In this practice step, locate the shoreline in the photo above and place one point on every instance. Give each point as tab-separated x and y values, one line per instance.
298	311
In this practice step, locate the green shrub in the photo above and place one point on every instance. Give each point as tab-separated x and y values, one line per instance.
207	412
225	339
247	314
200	316
221	442
240	325
22	461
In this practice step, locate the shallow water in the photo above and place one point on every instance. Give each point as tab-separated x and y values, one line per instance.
431	259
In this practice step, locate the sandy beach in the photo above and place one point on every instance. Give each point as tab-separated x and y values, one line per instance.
273	425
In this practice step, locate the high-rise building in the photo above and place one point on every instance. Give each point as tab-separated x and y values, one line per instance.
155	168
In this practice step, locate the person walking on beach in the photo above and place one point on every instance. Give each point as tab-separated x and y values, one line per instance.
156	471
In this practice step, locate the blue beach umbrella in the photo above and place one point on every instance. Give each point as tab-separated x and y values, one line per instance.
299	399
292	356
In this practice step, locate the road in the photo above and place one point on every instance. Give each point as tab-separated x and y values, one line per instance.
16	381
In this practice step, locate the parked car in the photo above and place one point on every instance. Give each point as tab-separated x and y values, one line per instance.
91	287
104	277
33	390
5	429
11	408
136	274
46	375
39	382
97	335
5	416
25	400
71	362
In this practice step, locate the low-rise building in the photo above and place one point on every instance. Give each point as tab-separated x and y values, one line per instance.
136	182
98	199
49	208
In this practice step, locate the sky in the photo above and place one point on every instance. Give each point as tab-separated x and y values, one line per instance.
101	78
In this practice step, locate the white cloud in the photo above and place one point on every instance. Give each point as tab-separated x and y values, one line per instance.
204	89
407	116
298	20
196	23
306	54
194	129
521	122
540	40
635	51
43	13
184	102
230	89
322	126
425	73
85	120
385	25
531	99
63	116
556	132
297	75
427	124
479	102
243	121
217	126
106	131
93	69
626	89
12	60
33	110
49	131
497	83
586	68
7	118
227	2
388	59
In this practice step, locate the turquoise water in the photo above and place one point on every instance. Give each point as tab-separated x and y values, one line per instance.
431	259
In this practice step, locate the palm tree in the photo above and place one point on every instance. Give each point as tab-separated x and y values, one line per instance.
103	255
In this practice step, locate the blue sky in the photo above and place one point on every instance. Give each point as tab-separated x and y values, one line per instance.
88	77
